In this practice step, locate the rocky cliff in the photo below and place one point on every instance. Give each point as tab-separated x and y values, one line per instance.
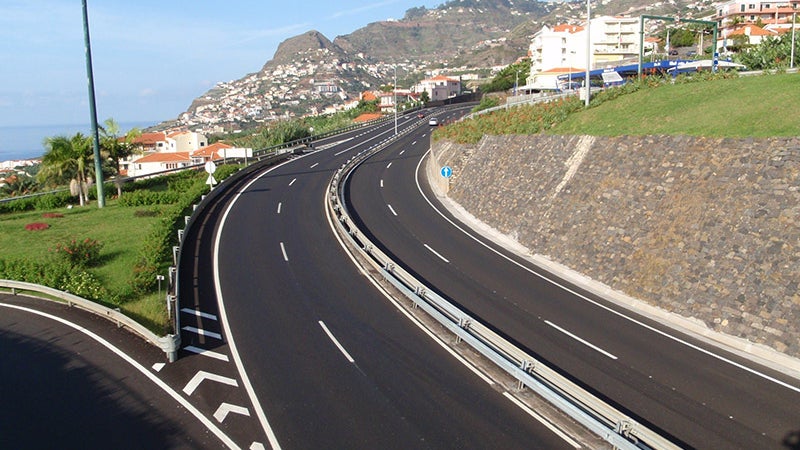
705	228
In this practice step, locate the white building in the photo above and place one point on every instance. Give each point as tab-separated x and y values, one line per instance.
562	48
439	87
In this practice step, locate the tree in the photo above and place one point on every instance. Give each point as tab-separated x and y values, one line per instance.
67	161
117	147
18	184
513	74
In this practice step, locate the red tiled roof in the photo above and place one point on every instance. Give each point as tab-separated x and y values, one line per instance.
211	151
164	157
566	28
754	30
441	78
368	96
366	117
151	138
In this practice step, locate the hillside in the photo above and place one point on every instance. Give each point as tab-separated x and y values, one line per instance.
459	36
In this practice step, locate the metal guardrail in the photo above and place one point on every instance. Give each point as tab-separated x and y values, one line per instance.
609	423
169	343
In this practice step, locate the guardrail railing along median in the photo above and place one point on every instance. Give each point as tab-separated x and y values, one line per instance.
596	415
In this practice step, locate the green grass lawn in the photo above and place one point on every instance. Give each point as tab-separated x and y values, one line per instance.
754	106
119	230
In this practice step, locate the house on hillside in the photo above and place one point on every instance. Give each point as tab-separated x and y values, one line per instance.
158	162
748	34
439	87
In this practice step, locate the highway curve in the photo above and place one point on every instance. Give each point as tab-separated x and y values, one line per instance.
331	361
695	394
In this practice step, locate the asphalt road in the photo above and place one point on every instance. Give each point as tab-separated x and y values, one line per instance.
697	395
60	387
326	358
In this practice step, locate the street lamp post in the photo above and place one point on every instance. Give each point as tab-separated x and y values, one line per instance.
98	167
794	24
588	49
394	89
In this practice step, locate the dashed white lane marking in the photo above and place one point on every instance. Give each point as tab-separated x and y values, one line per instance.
403	151
392	209
389	165
279	207
283	250
202	332
292	182
199	313
381	182
158	366
542	420
313	165
335	341
226	408
582	341
413	144
208	353
201	376
437	253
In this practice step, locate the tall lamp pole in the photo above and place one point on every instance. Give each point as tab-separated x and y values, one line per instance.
794	25
588	49
98	167
394	89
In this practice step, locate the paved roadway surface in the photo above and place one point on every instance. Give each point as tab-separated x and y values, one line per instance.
61	388
693	396
320	357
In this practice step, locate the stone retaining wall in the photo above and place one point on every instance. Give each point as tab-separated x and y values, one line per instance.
705	228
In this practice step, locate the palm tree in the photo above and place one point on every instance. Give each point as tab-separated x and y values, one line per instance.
117	147
67	161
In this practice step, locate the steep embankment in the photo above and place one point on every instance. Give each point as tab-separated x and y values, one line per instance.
705	228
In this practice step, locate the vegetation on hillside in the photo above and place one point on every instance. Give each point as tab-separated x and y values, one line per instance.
699	105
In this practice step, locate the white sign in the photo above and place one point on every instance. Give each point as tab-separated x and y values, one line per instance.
211	167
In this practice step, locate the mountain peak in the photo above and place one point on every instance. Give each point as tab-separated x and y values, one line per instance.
308	43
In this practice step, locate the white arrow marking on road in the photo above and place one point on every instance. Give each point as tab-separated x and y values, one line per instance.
225	408
204	352
202	375
203	332
199	313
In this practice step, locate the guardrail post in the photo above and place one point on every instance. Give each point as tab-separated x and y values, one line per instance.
175	252
170	343
186	219
180	235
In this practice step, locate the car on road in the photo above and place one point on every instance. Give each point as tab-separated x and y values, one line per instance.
420	115
433	121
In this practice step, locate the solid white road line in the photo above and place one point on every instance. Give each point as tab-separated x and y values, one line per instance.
437	253
201	376
598	304
283	250
199	313
208	353
582	341
202	332
542	420
335	341
155	380
392	209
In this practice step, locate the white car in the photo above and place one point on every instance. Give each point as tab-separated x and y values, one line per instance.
433	121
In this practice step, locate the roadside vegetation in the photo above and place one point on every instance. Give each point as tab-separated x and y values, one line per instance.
111	255
704	104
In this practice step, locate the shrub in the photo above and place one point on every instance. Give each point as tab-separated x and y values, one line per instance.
52	215
79	253
36	226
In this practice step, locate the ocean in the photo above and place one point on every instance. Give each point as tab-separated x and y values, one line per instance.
27	142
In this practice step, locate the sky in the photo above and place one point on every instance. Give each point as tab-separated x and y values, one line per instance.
151	58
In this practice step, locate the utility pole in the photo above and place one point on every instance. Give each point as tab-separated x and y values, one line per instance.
588	50
98	166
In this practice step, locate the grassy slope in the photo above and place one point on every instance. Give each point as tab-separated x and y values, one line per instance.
759	106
